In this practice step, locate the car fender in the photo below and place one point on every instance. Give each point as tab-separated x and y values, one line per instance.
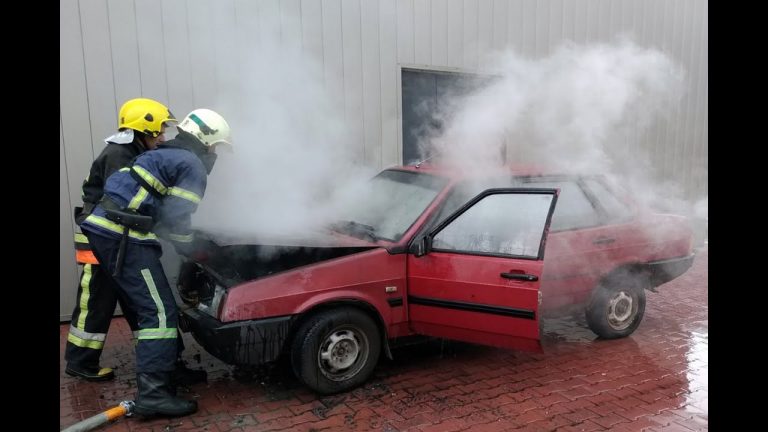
346	298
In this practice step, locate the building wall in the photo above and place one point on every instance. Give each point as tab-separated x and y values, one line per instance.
115	50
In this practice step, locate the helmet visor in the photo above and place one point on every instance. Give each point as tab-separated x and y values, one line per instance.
222	145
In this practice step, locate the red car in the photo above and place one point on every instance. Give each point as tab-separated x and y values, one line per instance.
434	253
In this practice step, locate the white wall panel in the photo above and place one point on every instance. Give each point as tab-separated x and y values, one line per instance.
555	20
405	32
177	51
500	21
333	61
390	134
312	28
422	31
73	100
455	33
97	55
202	52
484	32
372	82
152	60
67	267
528	28
471	33
515	19
224	26
125	50
290	21
542	17
440	32
176	44
353	75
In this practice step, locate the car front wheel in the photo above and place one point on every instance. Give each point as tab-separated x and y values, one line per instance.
335	350
616	308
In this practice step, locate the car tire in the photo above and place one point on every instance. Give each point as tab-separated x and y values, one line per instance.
335	350
617	306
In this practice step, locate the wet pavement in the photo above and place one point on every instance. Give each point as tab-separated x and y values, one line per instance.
655	380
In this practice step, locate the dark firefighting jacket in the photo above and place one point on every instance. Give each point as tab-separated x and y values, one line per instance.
114	156
165	184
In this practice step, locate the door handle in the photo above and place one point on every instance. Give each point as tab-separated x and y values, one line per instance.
603	240
520	276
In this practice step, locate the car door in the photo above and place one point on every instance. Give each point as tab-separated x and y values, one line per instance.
475	277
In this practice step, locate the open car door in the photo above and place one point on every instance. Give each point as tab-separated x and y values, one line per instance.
475	277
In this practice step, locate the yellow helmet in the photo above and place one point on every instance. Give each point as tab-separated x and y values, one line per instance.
144	115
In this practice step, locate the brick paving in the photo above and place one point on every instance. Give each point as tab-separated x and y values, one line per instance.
655	380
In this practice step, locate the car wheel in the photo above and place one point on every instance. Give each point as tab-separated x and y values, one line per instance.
335	350
617	307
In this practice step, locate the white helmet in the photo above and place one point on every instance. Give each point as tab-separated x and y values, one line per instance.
207	126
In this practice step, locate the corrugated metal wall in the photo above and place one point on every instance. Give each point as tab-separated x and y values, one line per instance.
114	50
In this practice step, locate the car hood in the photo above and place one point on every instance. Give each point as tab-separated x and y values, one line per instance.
234	258
308	238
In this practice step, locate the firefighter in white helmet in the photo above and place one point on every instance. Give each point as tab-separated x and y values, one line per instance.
154	196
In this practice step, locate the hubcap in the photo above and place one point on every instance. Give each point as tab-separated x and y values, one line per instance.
343	353
621	309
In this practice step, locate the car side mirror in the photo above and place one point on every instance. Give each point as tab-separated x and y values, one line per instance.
423	246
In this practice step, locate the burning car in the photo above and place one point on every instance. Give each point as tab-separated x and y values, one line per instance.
436	253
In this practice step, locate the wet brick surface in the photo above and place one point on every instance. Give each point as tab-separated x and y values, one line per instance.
655	380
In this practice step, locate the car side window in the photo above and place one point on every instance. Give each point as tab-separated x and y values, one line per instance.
615	208
573	210
499	224
465	191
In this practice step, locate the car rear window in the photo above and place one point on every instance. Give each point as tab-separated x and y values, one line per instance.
615	209
573	209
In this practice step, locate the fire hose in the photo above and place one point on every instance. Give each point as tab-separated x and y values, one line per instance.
125	408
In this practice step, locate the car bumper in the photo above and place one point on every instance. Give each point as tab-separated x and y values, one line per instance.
666	270
242	343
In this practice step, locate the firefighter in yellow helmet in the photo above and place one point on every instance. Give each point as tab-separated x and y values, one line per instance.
141	125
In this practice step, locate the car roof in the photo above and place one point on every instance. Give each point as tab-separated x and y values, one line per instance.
522	170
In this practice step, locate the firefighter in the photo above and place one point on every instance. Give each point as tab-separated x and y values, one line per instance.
141	125
155	196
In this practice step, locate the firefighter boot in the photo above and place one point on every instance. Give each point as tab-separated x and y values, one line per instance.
156	396
93	373
184	376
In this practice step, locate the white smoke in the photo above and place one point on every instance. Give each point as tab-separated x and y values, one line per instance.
581	109
566	110
293	153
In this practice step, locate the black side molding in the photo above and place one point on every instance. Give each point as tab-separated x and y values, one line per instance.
395	301
473	307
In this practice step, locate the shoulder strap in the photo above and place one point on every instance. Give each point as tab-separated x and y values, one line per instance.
142	181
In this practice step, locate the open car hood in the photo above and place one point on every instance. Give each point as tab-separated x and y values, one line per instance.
233	258
308	238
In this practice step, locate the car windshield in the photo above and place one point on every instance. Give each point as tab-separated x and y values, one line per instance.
389	204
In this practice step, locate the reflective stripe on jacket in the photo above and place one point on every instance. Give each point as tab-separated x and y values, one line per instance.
166	183
83	253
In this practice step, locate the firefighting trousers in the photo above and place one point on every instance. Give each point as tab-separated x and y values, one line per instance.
147	296
97	297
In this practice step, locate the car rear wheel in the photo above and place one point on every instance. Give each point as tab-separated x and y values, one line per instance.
617	307
335	350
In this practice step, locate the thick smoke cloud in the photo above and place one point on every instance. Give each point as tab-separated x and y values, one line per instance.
582	109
